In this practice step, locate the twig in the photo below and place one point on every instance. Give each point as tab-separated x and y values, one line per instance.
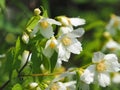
4	85
24	64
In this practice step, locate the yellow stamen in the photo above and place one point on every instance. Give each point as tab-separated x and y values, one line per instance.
44	24
66	41
52	44
101	66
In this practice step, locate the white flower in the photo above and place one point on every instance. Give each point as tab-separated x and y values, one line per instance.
67	44
100	70
50	47
62	86
113	24
44	26
112	45
116	78
70	21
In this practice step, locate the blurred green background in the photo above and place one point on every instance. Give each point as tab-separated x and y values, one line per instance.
14	15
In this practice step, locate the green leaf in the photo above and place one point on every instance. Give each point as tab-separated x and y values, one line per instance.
46	63
53	61
45	13
36	61
32	22
16	50
8	64
17	87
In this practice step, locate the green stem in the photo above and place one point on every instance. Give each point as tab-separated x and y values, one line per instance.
86	65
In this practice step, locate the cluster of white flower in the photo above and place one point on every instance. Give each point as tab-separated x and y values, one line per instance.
65	43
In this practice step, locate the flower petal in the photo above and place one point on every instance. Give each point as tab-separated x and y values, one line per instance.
77	21
52	21
75	47
48	52
63	54
47	32
98	56
64	30
88	75
103	79
76	33
111	62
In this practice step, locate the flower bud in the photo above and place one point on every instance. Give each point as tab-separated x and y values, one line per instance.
64	20
33	85
37	11
25	38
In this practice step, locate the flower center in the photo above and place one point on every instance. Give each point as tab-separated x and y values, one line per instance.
52	44
54	87
66	41
44	24
101	66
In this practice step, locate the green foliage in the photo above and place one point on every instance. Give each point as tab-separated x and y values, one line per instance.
53	61
17	87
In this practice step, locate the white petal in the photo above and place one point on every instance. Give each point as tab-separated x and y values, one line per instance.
76	33
63	54
98	56
77	21
88	75
48	52
111	62
47	32
64	30
112	45
104	79
75	47
52	21
61	86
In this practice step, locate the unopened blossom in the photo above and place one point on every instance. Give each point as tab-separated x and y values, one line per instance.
68	43
33	85
25	38
114	24
37	11
66	21
44	26
101	68
50	47
25	56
